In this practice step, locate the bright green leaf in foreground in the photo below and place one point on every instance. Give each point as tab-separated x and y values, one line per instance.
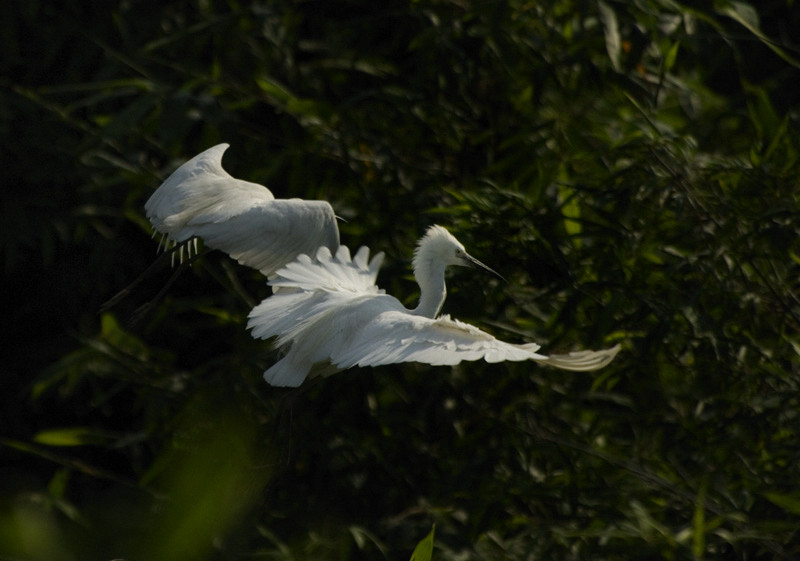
424	549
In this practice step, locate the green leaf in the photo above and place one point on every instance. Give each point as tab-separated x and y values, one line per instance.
126	121
672	55
746	15
424	549
571	211
788	502
113	333
699	523
611	30
274	90
72	436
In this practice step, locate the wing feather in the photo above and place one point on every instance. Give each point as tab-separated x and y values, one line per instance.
398	336
583	361
243	219
339	274
312	288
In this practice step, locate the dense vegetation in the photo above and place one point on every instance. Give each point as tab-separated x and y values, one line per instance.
631	168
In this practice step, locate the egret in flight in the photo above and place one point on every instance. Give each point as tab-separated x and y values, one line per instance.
328	310
243	219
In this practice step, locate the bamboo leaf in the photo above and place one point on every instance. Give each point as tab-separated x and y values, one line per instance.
611	30
424	549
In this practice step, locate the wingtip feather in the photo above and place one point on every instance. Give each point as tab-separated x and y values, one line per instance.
583	361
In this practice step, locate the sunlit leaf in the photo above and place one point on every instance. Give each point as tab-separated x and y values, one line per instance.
72	436
611	30
747	15
672	55
424	549
790	502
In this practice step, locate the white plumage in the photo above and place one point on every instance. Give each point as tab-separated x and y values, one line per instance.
329	310
243	219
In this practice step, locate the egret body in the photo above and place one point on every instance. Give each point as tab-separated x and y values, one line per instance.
333	312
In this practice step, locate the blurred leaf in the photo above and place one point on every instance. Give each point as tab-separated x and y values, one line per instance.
276	91
424	549
611	30
699	525
790	502
73	436
672	55
571	210
129	119
211	485
747	15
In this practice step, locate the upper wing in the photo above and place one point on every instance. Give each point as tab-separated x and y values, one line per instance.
240	218
307	288
269	235
331	273
201	189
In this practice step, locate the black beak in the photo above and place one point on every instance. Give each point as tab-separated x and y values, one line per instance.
470	261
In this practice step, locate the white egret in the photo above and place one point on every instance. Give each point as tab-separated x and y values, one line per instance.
329	310
243	219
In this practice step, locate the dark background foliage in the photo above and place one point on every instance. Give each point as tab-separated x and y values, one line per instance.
631	168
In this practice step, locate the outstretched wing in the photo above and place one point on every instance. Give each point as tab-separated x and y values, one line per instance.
329	310
395	336
240	218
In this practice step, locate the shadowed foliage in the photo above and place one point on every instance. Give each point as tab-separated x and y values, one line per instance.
631	169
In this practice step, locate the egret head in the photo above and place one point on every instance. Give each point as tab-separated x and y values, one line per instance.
438	247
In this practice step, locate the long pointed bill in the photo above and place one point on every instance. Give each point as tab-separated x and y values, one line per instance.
471	261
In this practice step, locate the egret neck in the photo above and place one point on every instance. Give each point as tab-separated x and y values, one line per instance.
429	275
